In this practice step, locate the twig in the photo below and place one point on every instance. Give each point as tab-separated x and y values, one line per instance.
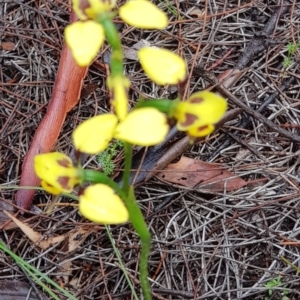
260	40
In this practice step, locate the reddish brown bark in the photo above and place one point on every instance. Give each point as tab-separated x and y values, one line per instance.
65	96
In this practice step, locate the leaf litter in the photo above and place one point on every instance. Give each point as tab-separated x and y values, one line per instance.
227	245
190	173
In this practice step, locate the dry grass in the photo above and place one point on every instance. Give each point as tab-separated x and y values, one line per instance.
205	245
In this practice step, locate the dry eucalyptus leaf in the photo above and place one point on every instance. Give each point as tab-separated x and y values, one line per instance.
190	172
34	236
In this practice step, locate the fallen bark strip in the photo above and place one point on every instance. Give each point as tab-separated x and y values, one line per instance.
65	96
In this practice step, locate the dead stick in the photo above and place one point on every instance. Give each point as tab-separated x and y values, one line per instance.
65	96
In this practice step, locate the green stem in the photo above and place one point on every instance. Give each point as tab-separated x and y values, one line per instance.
113	39
127	192
127	167
140	226
135	216
164	105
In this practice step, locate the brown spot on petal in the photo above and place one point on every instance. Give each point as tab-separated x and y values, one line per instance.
202	128
84	4
64	182
81	191
196	100
189	120
64	163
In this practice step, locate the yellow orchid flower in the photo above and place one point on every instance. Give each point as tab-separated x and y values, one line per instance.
84	40
118	87
100	204
162	66
57	172
89	9
94	135
85	37
143	127
143	14
199	113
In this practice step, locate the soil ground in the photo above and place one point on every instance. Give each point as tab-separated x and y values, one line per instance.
205	244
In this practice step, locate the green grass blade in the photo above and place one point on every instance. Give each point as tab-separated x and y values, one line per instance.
32	270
